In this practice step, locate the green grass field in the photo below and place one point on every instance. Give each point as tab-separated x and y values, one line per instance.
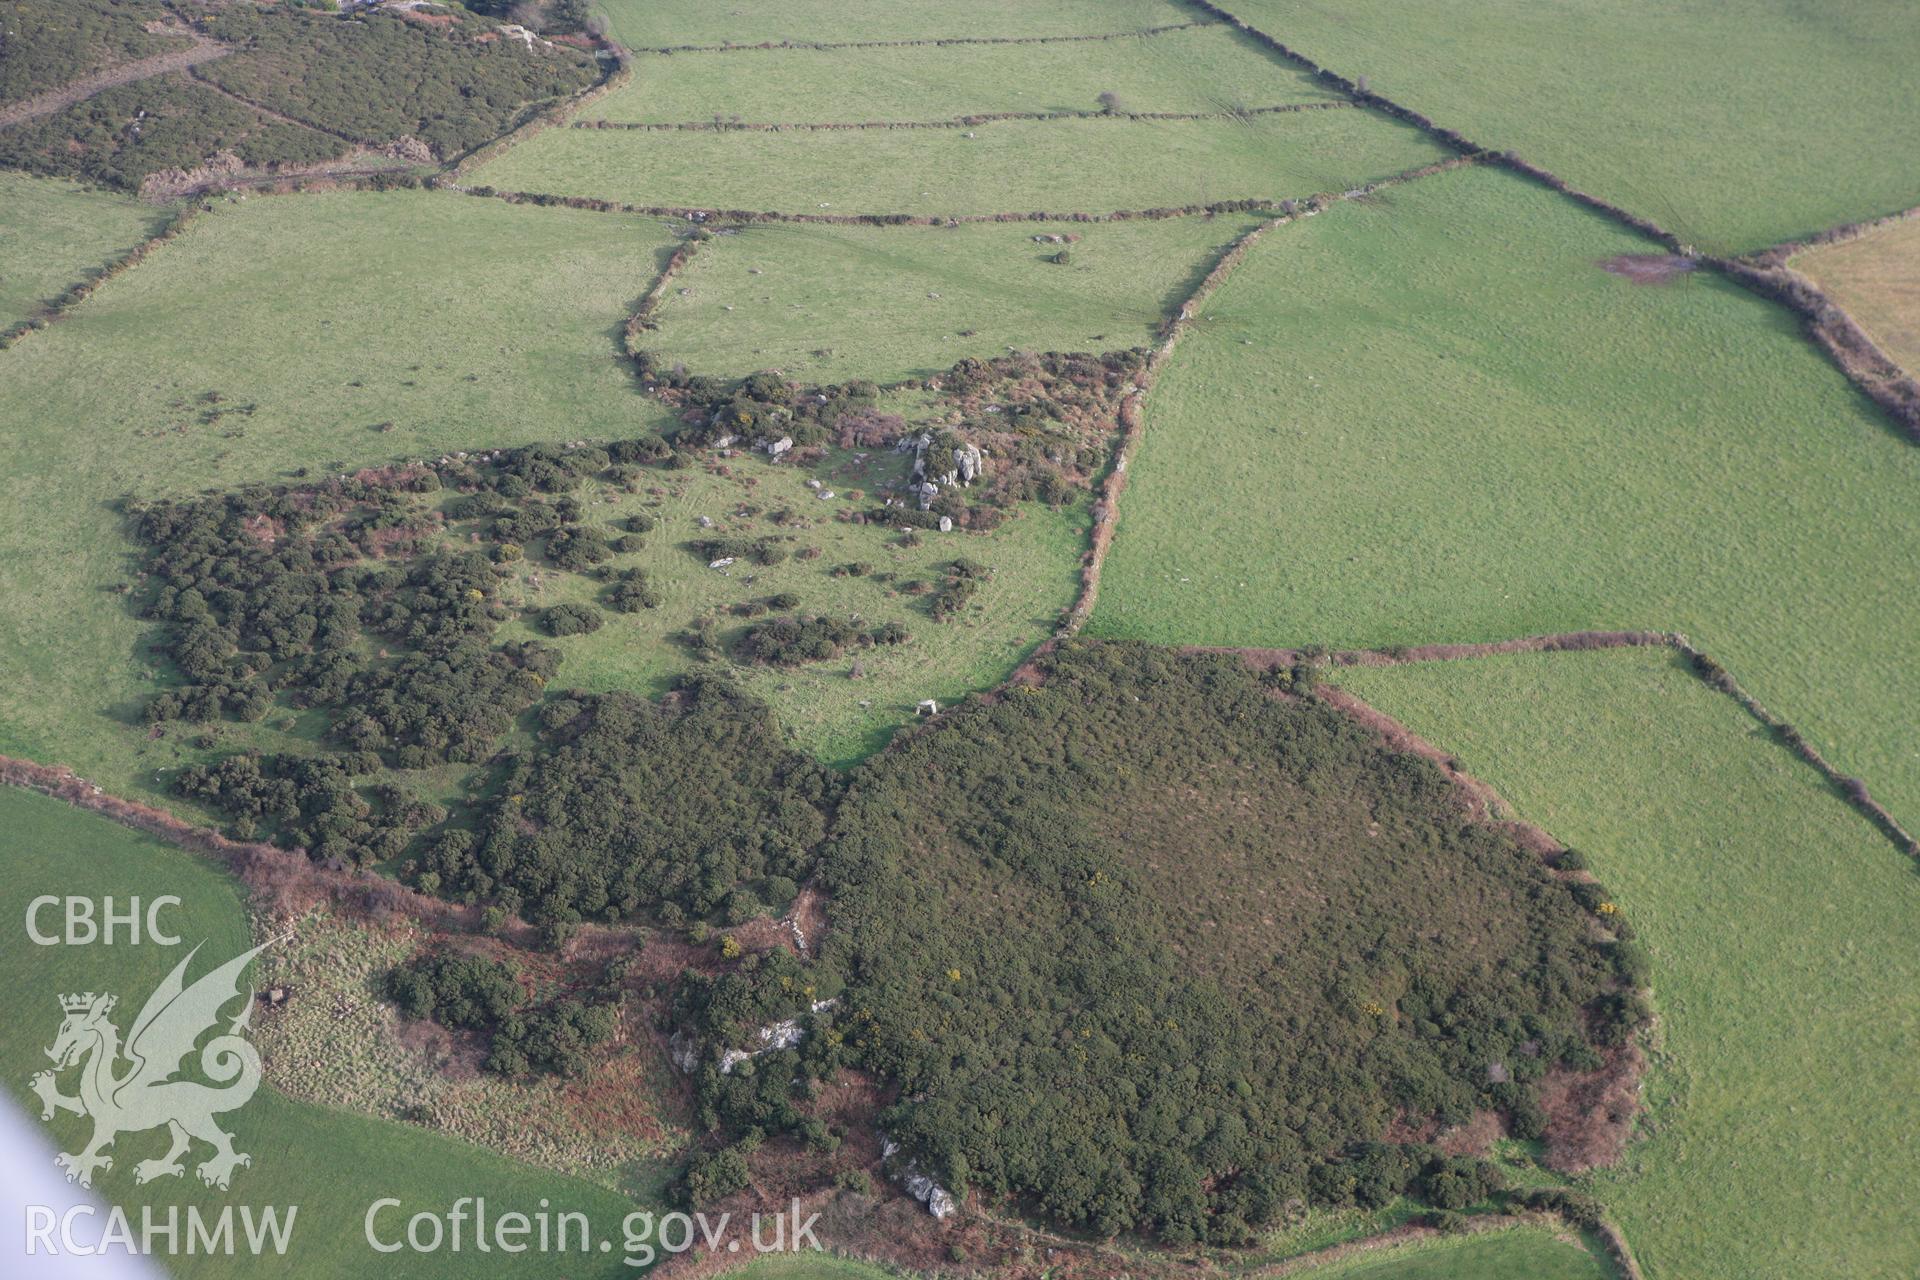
897	302
316	320
1430	416
1034	559
1786	1082
647	23
463	323
813	1266
1877	279
1198	69
55	233
1520	1253
331	1164
1734	125
1061	166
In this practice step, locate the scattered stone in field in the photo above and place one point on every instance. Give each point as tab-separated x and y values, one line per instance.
721	563
927	707
775	448
813	484
946	524
705	522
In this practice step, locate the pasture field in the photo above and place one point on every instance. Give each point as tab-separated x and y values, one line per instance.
814	1266
1430	416
831	304
1090	166
1786	1080
414	323
1877	279
649	23
1034	559
1679	113
1518	1253
1197	69
55	233
331	1164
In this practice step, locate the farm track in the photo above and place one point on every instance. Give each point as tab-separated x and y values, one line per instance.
203	49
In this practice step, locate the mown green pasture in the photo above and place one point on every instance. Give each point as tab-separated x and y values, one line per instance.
1877	279
1062	166
1520	1253
331	1164
1786	1078
1431	416
1212	68
649	23
55	233
1734	125
830	304
324	331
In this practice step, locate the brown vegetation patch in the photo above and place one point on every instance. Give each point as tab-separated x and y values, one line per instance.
1590	1114
263	528
1648	268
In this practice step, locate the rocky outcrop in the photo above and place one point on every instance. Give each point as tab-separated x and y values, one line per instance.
939	1201
686	1050
967	463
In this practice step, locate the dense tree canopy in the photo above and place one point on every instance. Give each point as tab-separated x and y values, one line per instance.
1153	947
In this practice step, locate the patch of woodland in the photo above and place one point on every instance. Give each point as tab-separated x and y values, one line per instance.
374	601
165	124
1044	423
485	998
44	46
1146	947
385	77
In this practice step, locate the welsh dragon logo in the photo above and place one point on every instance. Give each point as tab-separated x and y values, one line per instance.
131	1088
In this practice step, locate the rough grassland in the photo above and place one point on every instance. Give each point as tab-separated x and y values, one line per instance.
1200	69
649	23
1735	125
54	233
1088	166
316	320
331	1164
1522	1253
1787	1086
829	304
1877	279
1034	559
1431	417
